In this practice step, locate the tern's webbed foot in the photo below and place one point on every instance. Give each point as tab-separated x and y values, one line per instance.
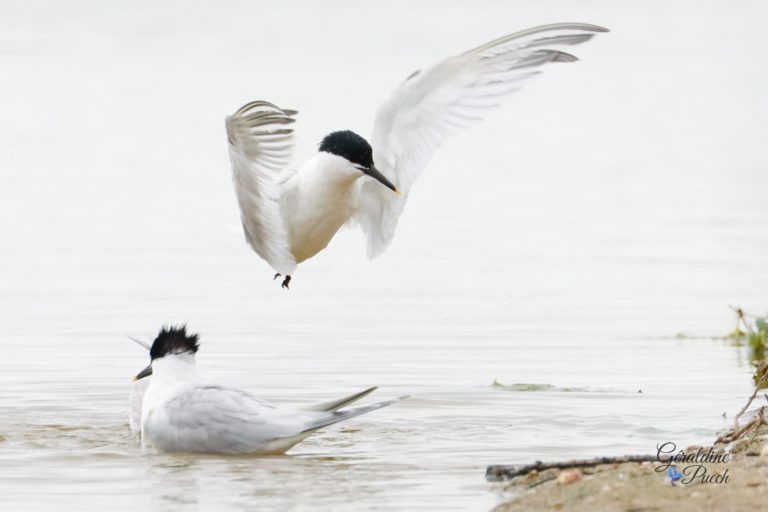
286	282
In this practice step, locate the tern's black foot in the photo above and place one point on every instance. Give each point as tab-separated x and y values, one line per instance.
276	276
286	282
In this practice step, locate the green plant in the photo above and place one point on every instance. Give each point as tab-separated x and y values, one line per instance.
755	331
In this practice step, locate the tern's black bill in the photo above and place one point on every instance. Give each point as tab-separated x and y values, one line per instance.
146	372
374	173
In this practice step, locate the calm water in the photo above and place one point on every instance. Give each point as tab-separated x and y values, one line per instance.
565	242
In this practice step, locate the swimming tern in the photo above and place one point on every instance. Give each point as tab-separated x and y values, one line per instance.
181	412
289	216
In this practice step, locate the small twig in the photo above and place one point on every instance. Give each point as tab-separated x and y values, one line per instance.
741	313
737	433
746	405
542	482
760	379
760	420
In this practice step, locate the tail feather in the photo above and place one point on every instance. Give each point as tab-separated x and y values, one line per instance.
346	414
334	405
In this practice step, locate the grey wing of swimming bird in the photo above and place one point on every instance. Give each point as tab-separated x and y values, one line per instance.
212	418
260	147
227	420
434	103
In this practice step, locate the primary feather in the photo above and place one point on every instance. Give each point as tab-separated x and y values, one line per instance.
334	405
260	144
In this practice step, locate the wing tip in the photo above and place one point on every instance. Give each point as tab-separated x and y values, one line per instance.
261	118
264	105
587	27
551	27
564	57
345	414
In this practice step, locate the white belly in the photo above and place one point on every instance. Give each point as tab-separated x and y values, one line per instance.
314	220
313	236
317	201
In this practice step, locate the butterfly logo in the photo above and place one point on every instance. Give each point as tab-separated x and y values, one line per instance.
674	475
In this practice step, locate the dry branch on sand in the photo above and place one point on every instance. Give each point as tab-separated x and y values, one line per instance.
508	472
738	431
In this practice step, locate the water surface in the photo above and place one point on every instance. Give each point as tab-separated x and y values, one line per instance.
557	249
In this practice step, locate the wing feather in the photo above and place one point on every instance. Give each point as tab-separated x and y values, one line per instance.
220	419
345	414
260	147
333	405
435	103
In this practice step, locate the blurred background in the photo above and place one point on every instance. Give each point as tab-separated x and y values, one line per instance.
583	242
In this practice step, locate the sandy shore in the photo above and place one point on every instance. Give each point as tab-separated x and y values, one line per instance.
639	487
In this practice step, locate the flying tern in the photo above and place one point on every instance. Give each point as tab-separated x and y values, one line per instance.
288	216
181	412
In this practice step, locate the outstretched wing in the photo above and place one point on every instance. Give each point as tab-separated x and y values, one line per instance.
260	145
434	103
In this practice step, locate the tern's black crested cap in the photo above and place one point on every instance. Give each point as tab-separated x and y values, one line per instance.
349	145
174	340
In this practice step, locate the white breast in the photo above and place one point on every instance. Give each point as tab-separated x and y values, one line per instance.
318	200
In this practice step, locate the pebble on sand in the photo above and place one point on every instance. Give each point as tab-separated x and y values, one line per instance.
569	476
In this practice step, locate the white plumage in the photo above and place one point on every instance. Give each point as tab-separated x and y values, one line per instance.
182	412
428	107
